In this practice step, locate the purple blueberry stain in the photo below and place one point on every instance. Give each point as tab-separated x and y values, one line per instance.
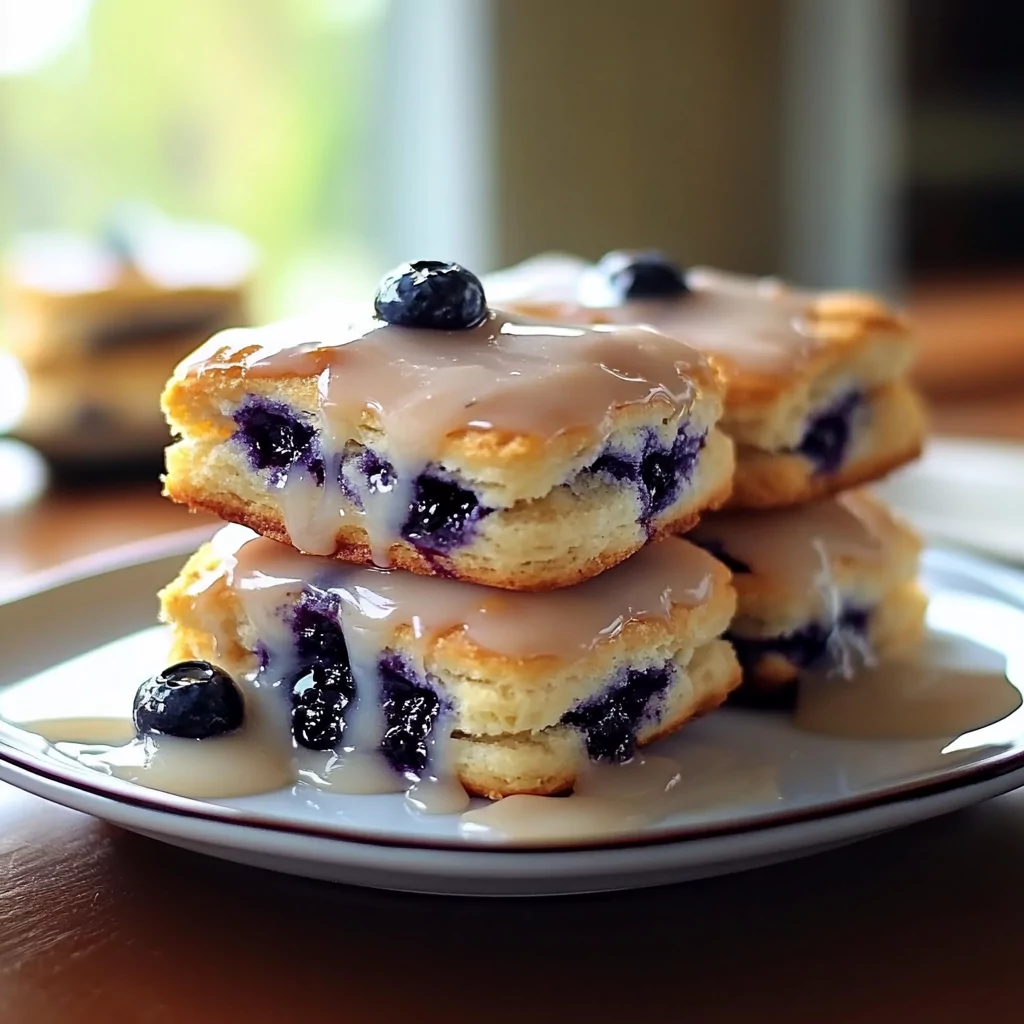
609	721
666	473
658	472
262	653
378	473
276	438
620	467
826	441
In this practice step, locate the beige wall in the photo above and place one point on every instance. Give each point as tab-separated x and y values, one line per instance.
624	123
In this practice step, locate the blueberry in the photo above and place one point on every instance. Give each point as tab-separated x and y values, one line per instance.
826	440
642	275
324	686
428	293
658	472
319	700
410	709
276	438
609	721
192	699
441	514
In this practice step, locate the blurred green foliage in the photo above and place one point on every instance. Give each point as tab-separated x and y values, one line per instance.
250	112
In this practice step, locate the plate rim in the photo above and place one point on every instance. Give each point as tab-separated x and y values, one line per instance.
1002	578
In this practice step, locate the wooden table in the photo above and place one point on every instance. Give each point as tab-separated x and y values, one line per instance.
97	925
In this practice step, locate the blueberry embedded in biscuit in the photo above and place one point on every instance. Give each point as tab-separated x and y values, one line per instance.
641	275
431	294
441	515
323	686
410	709
319	700
191	699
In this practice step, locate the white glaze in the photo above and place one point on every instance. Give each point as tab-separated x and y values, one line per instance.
793	547
755	327
938	691
953	687
619	799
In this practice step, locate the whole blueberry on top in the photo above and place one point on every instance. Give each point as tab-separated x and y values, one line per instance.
642	275
192	699
428	293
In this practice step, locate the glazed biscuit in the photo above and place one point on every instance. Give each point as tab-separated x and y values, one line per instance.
510	691
509	453
816	398
824	585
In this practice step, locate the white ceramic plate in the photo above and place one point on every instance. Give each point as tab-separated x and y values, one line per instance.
788	793
969	493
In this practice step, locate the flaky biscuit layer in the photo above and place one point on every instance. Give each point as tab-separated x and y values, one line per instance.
574	533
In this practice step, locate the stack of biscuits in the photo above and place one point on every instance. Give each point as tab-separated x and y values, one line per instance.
817	401
455	554
97	323
475	535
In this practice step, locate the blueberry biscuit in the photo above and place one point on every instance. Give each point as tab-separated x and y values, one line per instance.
98	324
450	439
147	282
820	586
508	692
816	397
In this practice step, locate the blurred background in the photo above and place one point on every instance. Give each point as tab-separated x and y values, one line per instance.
859	143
